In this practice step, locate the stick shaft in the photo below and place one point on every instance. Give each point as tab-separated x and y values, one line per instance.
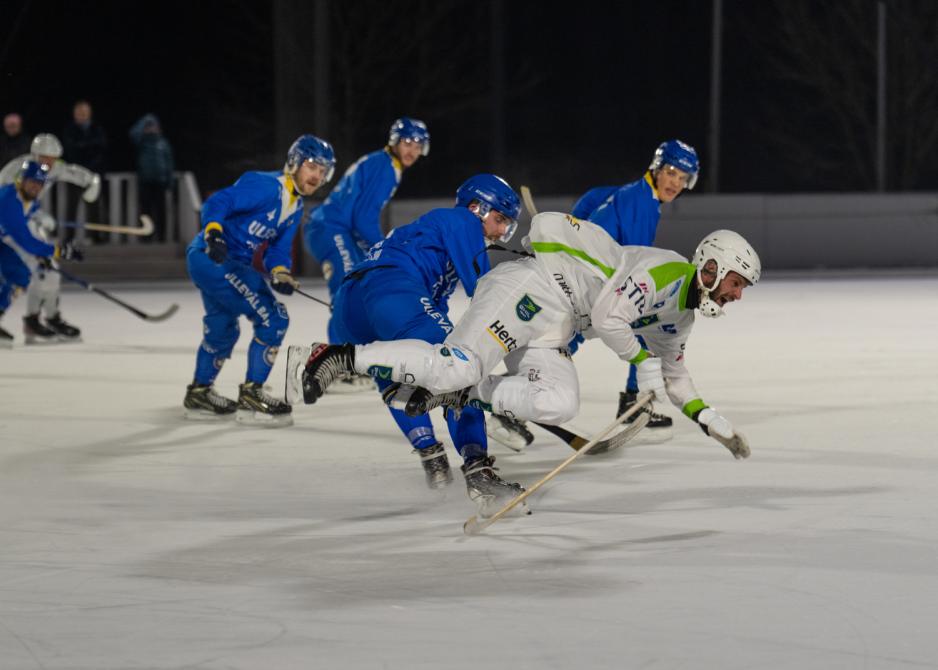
475	525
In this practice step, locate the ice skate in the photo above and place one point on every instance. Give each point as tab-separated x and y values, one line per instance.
34	332
416	400
66	331
311	370
257	408
203	403
353	384
508	432
6	339
658	425
435	466
486	489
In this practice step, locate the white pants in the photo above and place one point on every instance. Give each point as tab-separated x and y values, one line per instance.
516	315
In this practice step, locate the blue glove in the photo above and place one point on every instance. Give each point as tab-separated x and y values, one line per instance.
217	248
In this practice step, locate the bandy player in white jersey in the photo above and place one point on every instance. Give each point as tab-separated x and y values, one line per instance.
525	312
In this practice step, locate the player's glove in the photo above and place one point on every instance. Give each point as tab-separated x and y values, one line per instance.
282	281
93	190
650	380
216	247
67	251
721	430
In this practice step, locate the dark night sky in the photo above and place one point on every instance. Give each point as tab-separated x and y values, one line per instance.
593	87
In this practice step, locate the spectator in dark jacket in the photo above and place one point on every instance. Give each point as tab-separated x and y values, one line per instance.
154	170
14	141
85	143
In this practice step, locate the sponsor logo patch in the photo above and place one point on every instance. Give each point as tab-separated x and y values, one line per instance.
644	321
502	336
460	355
380	372
526	309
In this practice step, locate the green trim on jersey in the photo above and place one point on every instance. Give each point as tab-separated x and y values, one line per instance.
671	272
557	247
639	357
694	406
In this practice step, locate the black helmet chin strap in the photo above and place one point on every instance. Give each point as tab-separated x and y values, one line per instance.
496	247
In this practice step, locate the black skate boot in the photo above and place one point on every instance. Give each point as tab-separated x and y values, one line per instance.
202	402
257	408
36	333
435	466
486	489
508	432
311	370
63	329
416	400
628	398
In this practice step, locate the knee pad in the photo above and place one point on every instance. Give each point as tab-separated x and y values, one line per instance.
554	404
275	329
220	334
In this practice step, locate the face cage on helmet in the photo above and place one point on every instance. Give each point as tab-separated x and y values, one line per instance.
691	176
485	208
291	168
424	142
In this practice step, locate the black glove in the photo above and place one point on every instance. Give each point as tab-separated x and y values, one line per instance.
282	281
67	251
217	249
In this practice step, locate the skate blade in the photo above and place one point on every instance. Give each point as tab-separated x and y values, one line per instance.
297	355
42	341
249	417
507	438
488	506
205	415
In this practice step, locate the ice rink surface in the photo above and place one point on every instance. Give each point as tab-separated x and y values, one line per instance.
130	538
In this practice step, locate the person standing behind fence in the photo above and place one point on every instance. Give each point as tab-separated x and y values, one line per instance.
154	171
14	141
85	144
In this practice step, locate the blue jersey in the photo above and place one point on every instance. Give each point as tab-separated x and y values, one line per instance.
590	200
631	214
260	207
441	247
14	222
355	204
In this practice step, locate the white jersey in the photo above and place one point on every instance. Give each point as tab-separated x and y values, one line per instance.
60	170
617	292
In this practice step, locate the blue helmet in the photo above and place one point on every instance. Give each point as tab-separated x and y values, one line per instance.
406	128
680	155
33	170
491	192
311	148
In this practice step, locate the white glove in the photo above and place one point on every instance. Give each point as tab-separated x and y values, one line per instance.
93	190
721	430
649	378
43	226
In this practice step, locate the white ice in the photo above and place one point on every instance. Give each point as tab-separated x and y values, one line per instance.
131	538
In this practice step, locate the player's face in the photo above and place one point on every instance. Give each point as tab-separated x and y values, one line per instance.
730	289
31	188
308	177
670	181
495	225
408	151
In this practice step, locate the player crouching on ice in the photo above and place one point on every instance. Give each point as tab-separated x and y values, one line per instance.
526	311
261	207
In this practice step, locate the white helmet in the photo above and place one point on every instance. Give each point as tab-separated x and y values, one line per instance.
46	144
731	252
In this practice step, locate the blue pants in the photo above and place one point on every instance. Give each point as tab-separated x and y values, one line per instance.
337	252
14	274
392	304
231	290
